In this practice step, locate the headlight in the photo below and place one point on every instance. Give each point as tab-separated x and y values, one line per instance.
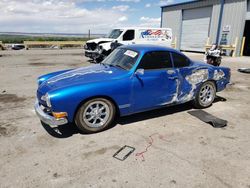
100	49
40	80
46	98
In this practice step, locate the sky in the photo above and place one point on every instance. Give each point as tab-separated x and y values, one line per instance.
78	16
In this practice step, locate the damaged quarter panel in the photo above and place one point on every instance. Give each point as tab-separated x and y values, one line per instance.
190	79
193	76
222	77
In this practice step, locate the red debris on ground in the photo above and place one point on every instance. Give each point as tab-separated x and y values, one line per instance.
150	143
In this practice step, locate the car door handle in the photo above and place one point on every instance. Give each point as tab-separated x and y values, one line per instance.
170	71
173	77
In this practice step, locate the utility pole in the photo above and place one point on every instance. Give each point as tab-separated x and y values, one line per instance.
89	34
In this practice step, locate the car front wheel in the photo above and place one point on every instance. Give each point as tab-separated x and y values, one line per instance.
95	115
205	95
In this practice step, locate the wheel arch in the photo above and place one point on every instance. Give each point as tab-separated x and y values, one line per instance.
214	82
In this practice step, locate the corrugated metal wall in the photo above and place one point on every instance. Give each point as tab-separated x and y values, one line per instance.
234	15
196	4
214	22
173	20
172	17
248	10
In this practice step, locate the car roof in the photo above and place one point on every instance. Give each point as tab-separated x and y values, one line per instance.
144	48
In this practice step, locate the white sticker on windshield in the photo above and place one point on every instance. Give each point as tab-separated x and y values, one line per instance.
130	53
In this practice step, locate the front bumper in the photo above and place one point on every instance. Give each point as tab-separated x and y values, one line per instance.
48	119
92	54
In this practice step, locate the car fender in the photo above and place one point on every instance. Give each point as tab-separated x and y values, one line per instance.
105	46
68	99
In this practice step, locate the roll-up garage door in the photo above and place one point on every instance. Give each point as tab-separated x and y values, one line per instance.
195	28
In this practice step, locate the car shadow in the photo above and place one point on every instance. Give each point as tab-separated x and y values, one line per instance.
165	111
68	130
62	131
219	99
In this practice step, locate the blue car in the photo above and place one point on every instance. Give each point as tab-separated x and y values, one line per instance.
132	79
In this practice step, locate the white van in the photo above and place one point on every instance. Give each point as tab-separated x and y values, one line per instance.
102	47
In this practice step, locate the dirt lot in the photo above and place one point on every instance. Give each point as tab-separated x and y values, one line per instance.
181	151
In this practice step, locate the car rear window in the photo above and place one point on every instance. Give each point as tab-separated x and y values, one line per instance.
180	60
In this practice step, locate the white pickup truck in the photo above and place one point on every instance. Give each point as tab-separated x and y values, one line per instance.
98	49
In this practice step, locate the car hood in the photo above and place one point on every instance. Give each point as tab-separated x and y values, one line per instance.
80	76
100	40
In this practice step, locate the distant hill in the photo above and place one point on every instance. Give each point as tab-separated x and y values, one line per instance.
18	37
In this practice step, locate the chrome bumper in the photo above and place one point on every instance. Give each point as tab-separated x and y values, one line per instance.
50	120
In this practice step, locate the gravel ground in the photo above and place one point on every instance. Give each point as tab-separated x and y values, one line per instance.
181	151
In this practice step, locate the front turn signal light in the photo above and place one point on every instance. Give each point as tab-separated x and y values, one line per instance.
59	115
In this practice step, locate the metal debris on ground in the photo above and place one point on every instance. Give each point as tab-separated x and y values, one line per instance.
208	118
124	152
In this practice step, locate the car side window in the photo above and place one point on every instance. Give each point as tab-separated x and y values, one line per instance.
180	60
155	60
129	35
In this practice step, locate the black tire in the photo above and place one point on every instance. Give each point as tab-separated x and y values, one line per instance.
84	125
210	61
205	99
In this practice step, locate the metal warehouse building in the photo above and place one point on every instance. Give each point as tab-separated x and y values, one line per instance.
222	21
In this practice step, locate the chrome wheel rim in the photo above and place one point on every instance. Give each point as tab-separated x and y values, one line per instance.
96	114
206	94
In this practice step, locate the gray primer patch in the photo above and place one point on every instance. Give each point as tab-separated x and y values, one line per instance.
198	76
218	75
195	78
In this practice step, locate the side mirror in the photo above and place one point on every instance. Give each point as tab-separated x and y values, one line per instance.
139	72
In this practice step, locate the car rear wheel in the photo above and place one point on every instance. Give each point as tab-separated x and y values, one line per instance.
205	95
95	115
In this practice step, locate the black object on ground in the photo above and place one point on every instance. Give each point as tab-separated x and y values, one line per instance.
244	70
124	152
209	118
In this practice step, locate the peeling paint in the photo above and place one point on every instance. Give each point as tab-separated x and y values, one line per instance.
218	75
195	78
175	96
78	72
198	76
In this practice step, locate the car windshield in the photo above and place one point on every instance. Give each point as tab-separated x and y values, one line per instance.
122	58
114	34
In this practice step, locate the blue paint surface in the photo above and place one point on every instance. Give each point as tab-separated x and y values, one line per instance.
130	93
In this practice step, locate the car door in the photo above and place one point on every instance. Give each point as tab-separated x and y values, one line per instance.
157	86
